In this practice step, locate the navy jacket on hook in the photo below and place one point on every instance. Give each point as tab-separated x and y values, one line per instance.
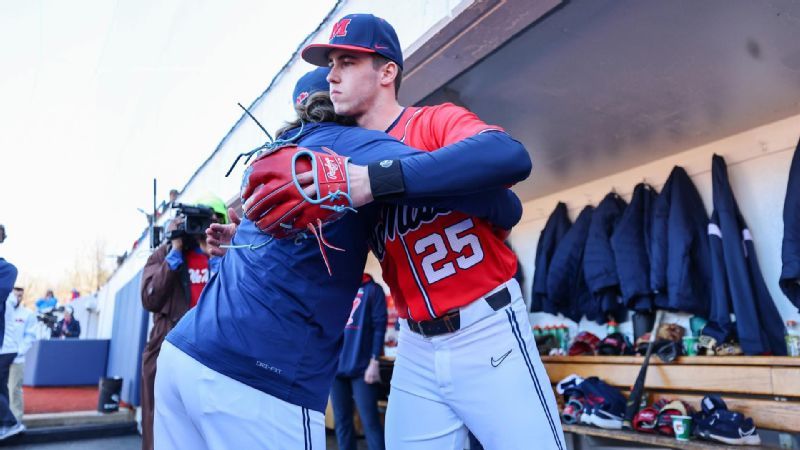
599	266
566	285
557	225
738	286
790	275
680	273
631	245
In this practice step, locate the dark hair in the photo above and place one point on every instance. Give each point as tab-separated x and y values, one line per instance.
316	108
379	61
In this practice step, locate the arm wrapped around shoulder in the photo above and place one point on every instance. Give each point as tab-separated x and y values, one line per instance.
273	198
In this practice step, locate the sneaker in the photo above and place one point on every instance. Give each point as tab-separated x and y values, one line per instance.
587	415
572	411
716	423
606	419
7	432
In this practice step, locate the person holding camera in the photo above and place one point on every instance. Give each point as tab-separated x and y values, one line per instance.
173	278
68	327
9	425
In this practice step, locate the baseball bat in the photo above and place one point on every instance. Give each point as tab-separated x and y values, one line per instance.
635	399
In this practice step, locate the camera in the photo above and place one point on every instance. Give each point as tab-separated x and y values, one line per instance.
196	218
50	318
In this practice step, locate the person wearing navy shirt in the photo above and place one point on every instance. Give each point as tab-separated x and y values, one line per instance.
252	365
358	370
9	425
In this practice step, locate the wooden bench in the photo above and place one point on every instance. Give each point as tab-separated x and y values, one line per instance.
764	388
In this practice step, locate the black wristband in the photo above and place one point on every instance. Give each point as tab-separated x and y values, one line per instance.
386	179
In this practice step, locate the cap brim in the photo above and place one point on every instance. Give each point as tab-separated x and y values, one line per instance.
317	54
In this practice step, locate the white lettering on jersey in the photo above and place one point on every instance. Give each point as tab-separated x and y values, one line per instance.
198	276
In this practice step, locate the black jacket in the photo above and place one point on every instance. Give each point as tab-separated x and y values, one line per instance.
566	285
790	275
73	329
599	267
631	245
738	286
680	269
556	227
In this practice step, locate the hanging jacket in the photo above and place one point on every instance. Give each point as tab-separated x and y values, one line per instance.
790	254
680	273
599	267
630	243
566	285
557	225
738	286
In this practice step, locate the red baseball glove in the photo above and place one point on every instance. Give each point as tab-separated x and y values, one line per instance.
274	200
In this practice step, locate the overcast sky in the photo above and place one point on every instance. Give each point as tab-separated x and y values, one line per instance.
99	97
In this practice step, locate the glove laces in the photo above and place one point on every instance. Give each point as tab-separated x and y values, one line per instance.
268	147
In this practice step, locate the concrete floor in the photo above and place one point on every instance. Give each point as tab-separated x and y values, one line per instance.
126	443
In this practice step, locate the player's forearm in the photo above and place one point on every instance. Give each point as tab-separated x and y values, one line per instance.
501	207
486	161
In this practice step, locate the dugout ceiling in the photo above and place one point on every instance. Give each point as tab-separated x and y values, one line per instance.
594	87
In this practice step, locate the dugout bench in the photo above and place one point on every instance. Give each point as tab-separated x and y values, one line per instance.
762	387
765	388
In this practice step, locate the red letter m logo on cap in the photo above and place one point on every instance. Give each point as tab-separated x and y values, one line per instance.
340	29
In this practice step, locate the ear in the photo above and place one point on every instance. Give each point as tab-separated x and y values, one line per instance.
388	73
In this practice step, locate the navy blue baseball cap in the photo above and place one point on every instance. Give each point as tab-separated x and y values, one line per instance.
358	32
314	81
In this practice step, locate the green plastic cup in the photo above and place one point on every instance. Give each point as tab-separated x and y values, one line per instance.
682	425
690	345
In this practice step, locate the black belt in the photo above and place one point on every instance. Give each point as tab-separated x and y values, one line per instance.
451	321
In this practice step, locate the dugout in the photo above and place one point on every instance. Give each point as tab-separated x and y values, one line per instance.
607	94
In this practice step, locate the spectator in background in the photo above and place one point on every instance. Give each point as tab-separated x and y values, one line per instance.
48	303
173	278
359	368
68	327
19	336
9	425
173	197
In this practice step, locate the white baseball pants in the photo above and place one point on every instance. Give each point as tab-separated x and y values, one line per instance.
198	408
486	377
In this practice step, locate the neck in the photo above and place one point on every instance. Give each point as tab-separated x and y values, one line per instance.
380	116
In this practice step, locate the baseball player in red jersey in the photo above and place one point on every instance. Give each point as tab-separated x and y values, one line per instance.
466	354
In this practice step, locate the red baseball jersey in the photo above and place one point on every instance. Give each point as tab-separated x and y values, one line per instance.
436	260
197	264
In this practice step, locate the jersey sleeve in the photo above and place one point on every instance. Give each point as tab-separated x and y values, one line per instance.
447	124
474	164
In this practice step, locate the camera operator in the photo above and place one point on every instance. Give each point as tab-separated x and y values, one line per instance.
173	279
68	327
9	425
